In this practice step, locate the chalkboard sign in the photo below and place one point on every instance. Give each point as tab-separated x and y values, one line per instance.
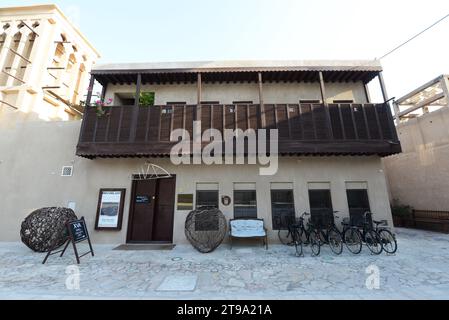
76	232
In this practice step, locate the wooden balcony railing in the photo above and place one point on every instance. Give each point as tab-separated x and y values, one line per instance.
303	129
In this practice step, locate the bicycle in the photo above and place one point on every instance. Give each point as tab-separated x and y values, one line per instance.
369	235
331	235
308	236
387	238
298	235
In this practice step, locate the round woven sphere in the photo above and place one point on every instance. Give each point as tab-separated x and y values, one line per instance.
206	229
45	229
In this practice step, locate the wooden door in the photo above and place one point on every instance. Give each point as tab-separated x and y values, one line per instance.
152	211
164	215
143	198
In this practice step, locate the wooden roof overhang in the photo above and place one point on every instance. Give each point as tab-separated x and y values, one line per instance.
237	75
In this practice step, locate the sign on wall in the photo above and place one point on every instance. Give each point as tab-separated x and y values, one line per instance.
110	209
185	202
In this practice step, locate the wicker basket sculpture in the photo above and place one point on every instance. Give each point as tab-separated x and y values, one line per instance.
206	229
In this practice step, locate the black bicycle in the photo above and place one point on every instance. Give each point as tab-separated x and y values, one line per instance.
329	234
369	234
387	238
298	235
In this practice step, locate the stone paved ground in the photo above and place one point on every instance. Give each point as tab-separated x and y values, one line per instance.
418	271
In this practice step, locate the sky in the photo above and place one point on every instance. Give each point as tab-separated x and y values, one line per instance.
197	30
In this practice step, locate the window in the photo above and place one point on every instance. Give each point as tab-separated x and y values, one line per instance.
207	195
207	199
309	101
245	204
343	101
242	102
321	206
176	103
358	203
210	102
282	208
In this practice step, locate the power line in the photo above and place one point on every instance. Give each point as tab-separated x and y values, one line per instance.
408	41
413	38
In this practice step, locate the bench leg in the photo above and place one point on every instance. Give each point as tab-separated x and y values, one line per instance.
266	243
230	238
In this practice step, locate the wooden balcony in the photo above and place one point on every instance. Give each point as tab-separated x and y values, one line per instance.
306	129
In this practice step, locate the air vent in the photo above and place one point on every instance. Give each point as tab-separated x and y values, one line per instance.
67	171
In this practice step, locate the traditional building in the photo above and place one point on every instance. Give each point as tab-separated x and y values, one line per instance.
44	64
123	180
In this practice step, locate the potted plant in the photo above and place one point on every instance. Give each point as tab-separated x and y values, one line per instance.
402	214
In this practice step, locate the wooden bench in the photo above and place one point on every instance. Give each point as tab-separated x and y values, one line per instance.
248	228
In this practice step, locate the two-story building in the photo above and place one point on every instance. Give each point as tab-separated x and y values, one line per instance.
331	138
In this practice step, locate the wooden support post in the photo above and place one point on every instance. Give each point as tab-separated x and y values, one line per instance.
382	87
367	95
90	90
132	136
86	107
262	123
445	86
326	106
386	98
199	98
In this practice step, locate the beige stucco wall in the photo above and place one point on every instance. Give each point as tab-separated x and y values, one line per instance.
228	93
419	177
32	155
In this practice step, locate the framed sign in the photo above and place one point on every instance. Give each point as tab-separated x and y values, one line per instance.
110	209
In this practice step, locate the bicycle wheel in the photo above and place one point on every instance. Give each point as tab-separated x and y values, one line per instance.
353	240
315	244
389	243
373	242
285	237
335	241
298	247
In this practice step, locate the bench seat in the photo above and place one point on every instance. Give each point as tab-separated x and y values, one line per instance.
248	228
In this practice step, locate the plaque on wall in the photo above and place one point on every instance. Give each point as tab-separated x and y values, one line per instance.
185	202
110	209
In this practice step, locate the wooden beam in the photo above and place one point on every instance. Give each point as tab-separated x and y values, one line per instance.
422	104
383	88
326	106
90	90
367	94
132	135
199	97
418	90
262	120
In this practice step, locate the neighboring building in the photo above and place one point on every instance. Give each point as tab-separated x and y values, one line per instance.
419	177
44	65
331	141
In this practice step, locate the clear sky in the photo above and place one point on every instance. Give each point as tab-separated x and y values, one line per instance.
189	30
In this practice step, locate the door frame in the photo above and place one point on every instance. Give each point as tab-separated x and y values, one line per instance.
131	212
